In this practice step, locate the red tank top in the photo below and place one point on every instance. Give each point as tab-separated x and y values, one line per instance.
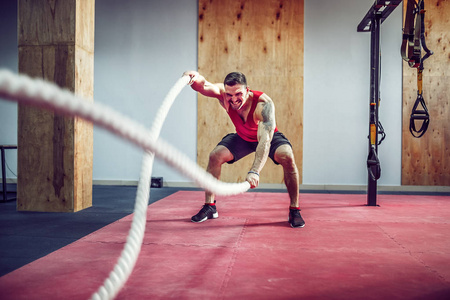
248	130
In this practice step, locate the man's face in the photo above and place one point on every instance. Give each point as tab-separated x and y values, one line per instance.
236	95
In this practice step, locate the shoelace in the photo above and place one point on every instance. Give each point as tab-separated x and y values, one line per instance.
206	208
295	212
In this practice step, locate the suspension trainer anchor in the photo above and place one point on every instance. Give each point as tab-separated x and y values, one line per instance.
378	12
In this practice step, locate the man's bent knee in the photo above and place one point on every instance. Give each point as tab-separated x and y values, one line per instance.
285	156
220	155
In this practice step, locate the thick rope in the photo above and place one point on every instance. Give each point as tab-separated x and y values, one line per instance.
37	92
124	266
23	89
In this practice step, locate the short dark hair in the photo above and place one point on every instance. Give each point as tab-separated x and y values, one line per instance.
235	78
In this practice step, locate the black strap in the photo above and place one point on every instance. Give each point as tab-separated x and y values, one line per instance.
381	132
428	52
419	114
411	50
409	34
414	34
373	164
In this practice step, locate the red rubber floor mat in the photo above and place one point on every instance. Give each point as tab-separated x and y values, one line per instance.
400	250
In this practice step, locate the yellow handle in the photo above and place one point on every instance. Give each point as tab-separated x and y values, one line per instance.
419	81
373	133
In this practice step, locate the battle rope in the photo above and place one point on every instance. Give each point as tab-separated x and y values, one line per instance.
128	258
411	51
37	92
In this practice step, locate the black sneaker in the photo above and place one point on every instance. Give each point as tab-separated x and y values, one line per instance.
207	212
295	219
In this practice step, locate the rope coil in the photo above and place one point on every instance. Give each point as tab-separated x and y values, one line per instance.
36	92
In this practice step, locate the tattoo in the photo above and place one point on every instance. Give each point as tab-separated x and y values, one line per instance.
267	114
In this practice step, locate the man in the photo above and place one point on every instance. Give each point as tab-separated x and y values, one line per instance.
253	115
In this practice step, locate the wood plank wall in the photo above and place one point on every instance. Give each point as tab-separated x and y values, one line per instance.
55	153
426	161
264	40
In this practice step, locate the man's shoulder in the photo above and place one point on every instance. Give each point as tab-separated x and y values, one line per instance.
261	96
257	93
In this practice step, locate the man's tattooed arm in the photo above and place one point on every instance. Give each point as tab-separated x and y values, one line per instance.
265	113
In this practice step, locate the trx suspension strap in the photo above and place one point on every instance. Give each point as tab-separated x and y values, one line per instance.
411	50
373	163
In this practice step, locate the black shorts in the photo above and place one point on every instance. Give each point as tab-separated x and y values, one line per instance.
241	148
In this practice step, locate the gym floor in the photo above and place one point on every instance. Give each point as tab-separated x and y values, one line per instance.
347	250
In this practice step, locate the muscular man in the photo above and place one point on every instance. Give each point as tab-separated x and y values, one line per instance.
253	115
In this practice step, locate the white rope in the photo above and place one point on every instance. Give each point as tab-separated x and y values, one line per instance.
37	92
121	272
23	89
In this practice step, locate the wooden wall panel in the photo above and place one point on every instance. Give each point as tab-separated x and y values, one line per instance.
264	40
426	161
